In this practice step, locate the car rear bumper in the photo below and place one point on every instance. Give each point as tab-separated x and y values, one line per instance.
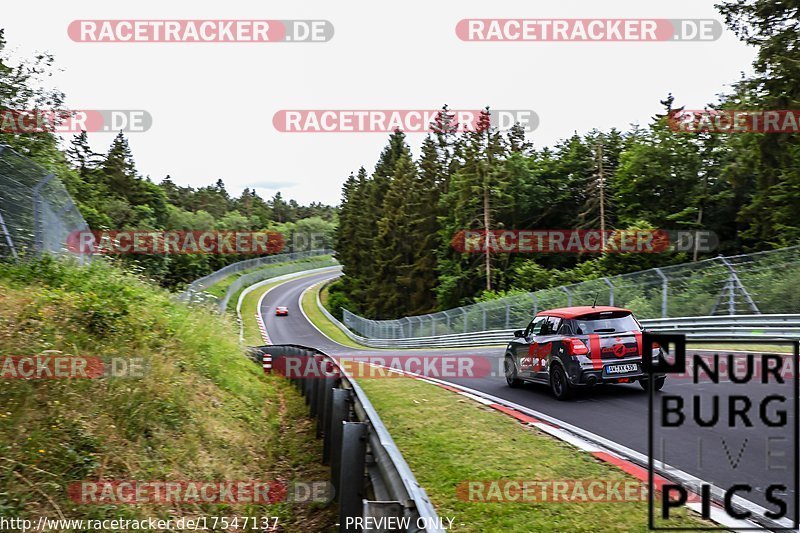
580	377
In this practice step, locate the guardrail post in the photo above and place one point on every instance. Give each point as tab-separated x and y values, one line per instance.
316	387
300	363
351	477
327	416
339	411
308	381
383	509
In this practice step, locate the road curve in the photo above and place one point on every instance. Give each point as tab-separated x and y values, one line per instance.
618	412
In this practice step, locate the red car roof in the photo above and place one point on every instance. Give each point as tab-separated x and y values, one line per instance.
575	312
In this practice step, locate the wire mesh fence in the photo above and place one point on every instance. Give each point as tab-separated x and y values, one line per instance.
763	282
37	213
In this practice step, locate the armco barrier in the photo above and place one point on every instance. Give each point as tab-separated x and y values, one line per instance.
201	284
750	327
368	472
271	272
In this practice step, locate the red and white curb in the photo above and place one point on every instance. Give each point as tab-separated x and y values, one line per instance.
262	328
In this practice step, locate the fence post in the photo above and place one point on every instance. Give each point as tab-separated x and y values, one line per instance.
351	473
736	283
610	291
508	314
569	296
7	233
664	292
38	234
464	311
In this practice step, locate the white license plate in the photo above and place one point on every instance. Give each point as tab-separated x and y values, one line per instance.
622	369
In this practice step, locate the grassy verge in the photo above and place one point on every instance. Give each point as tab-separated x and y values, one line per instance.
202	411
462	440
315	315
743	347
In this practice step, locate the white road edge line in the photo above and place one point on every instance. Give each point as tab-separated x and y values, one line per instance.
250	288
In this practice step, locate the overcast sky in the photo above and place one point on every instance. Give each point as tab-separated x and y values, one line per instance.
212	103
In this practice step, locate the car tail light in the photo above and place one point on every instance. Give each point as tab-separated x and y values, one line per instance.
575	347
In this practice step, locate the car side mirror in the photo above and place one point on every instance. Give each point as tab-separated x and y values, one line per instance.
518	334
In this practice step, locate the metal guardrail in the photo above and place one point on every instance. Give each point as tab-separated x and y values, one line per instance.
271	272
201	284
752	327
369	474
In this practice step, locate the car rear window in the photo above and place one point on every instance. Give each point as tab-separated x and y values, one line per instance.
606	323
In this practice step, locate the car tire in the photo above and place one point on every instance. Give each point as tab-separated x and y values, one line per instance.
559	384
659	383
510	371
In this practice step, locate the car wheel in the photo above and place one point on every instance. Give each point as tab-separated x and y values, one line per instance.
562	390
659	383
511	374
